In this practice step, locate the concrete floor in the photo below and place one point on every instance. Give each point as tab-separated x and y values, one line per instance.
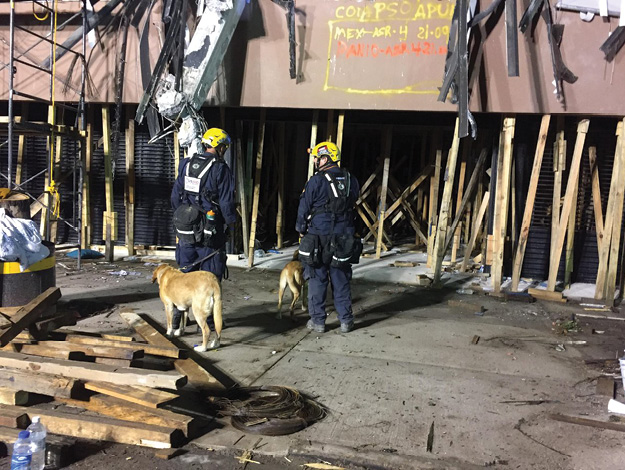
409	363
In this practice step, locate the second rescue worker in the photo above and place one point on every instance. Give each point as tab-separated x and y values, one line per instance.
325	221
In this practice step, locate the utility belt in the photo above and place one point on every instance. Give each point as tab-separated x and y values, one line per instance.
192	227
337	251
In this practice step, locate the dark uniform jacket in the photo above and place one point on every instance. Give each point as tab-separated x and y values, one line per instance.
216	192
313	200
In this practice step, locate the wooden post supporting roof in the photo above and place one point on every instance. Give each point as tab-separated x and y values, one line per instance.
596	196
86	192
554	261
502	203
386	153
441	229
615	241
257	179
241	188
434	187
339	131
313	142
108	185
529	202
474	233
130	187
281	170
456	233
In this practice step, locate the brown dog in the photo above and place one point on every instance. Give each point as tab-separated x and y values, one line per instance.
293	276
199	290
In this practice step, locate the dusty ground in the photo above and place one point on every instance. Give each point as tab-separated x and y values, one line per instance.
409	363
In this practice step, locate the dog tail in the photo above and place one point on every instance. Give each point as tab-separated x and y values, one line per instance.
217	311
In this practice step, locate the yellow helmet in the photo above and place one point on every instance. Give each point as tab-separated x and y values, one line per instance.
327	149
214	137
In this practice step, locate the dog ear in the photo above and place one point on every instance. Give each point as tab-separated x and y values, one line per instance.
155	273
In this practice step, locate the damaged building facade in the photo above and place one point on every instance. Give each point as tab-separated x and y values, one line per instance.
488	132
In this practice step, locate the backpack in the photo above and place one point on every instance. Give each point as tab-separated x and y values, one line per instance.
338	194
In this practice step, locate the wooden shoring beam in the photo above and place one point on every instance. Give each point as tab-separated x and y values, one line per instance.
467	196
502	203
108	185
86	186
434	189
559	163
281	169
615	240
456	231
241	187
554	261
386	154
596	196
257	179
339	131
313	141
21	142
443	217
529	202
130	185
474	233
570	239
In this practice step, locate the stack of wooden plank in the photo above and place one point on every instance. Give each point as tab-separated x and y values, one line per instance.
99	386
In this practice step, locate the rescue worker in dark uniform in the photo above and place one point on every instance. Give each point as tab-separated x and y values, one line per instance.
316	216
204	188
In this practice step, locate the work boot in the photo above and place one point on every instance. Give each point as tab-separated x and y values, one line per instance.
347	327
316	327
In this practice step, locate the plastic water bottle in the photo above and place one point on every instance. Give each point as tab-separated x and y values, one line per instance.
22	453
38	443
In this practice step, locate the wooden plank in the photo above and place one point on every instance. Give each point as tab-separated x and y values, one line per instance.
615	240
257	179
113	362
589	422
441	229
241	188
339	131
570	239
29	313
87	142
109	252
112	352
596	195
455	233
502	202
140	395
104	429
129	199
467	196
43	351
198	377
165	351
546	295
554	262
281	169
93	372
476	228
606	386
433	211
386	153
127	411
14	417
13	397
313	142
529	202
43	384
559	160
21	141
604	252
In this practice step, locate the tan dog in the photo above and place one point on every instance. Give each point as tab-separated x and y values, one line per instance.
293	276
199	290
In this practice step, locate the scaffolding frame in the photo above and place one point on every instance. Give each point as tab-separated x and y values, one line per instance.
51	129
